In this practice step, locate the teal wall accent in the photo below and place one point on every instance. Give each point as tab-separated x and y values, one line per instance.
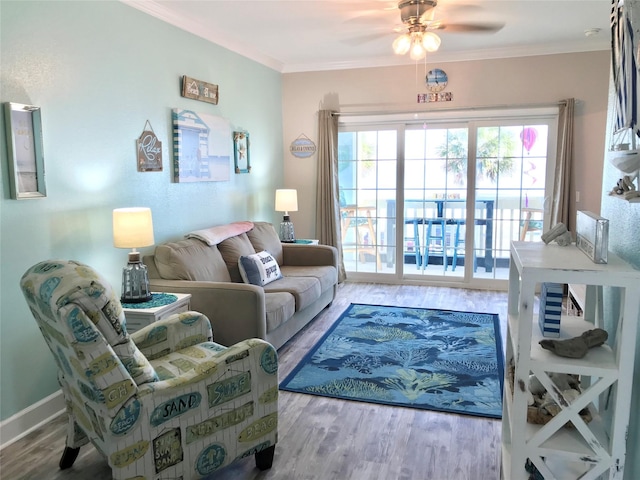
99	71
624	241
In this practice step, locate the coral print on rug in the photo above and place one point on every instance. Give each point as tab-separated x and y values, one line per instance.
412	357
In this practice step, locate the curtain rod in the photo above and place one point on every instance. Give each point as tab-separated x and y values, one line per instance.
453	109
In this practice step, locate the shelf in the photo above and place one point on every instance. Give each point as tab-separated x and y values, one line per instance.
537	263
567	453
635	199
565	442
599	361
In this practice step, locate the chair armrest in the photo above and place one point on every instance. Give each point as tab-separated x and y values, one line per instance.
295	255
236	311
177	331
254	355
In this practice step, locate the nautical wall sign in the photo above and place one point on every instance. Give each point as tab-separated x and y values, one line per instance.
149	150
435	97
302	147
199	90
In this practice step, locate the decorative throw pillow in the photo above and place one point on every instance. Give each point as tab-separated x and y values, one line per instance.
259	269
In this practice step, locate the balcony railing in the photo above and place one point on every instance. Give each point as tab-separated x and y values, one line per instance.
369	236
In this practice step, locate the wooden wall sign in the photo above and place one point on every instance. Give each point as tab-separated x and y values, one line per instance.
199	90
149	150
435	97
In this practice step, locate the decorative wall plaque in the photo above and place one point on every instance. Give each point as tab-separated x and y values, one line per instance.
199	90
302	147
149	150
435	97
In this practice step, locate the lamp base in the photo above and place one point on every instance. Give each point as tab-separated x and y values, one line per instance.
287	234
135	281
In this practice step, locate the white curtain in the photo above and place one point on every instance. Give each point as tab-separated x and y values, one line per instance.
327	194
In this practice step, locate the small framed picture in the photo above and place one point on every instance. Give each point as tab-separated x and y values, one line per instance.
241	152
24	151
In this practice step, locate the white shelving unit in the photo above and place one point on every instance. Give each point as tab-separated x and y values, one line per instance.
594	449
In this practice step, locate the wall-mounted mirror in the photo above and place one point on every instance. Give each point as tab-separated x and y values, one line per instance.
24	149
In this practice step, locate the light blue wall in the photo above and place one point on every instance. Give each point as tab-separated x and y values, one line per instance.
624	240
99	71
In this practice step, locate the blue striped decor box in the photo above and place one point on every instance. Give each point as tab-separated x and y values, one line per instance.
550	309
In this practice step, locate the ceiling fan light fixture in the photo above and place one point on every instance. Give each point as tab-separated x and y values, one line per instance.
430	41
417	51
402	44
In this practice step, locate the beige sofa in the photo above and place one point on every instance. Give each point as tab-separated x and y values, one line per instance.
205	264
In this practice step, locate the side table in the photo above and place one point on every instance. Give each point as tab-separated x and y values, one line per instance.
306	241
140	315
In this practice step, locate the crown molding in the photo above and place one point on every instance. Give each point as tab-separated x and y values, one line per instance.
162	13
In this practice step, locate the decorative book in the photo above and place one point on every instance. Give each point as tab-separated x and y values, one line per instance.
550	309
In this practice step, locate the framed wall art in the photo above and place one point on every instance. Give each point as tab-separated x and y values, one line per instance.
24	151
241	152
201	147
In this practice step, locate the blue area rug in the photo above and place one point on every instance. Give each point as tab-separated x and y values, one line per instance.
411	357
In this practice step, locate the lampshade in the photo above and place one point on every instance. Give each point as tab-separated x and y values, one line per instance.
417	51
430	41
132	227
286	200
402	44
417	43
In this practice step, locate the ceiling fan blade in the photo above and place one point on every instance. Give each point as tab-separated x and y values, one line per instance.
362	39
467	27
428	16
371	16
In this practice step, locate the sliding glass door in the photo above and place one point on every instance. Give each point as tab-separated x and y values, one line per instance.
435	192
514	171
443	200
367	166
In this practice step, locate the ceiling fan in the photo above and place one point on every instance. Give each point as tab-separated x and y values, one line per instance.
418	17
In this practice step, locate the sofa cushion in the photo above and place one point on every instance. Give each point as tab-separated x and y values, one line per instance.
263	236
280	307
326	275
259	269
191	260
305	290
232	249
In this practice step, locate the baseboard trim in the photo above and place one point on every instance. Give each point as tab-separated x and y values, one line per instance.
24	422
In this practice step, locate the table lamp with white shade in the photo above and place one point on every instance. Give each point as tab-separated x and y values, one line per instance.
287	201
133	228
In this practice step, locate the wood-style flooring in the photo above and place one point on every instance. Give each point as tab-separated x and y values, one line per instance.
328	439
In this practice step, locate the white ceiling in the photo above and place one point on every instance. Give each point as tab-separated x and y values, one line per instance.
310	35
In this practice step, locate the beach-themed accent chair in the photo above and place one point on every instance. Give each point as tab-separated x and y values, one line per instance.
162	403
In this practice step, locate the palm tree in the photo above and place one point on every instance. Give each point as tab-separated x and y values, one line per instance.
494	153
